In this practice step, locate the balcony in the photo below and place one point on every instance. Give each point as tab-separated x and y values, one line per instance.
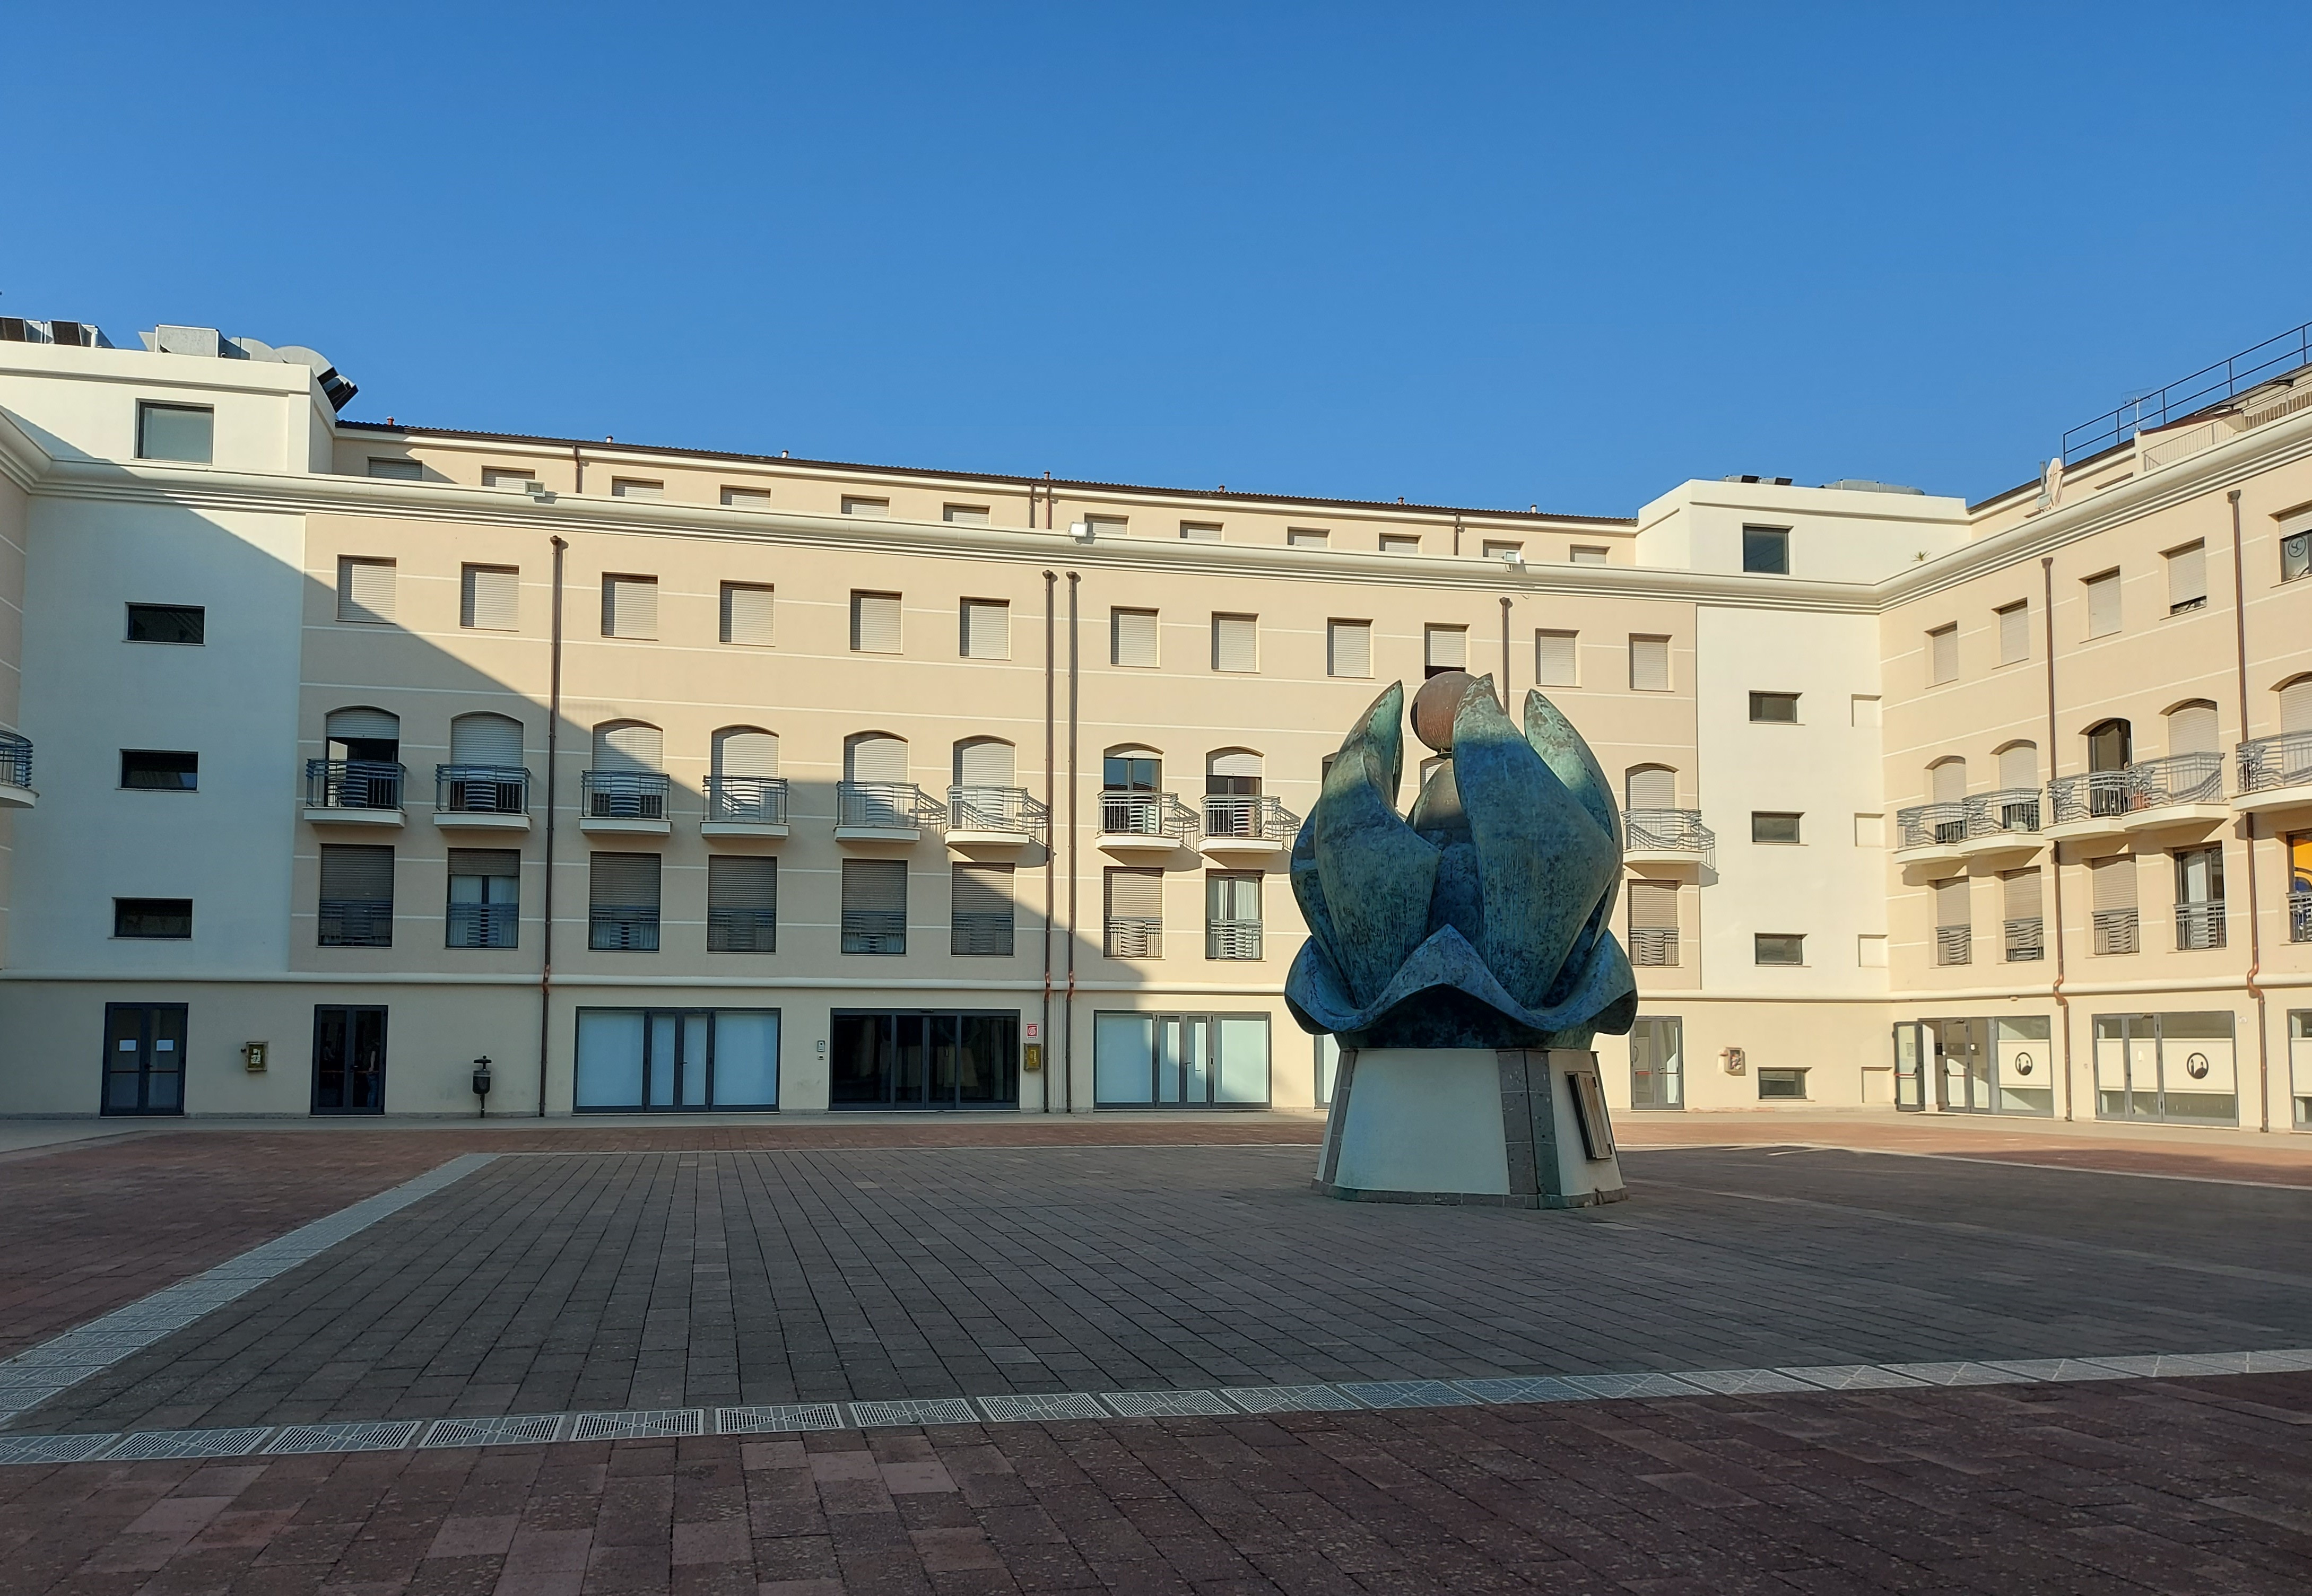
994	818
2199	926
352	792
483	925
357	922
2275	773
745	806
1954	945
1668	837
1245	826
1232	939
2005	822
1653	947
2300	917
1135	825
2151	795
884	812
631	803
481	798
2025	940
2116	931
16	772
1134	936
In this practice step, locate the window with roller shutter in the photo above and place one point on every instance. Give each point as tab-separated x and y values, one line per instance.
1649	664
1653	923
1348	647
2187	579
2296	706
2014	632
364	589
490	598
1555	658
983	762
875	906
875	623
356	896
1233	919
1201	531
1132	637
622	902
986	629
742	902
1649	787
629	746
484	898
875	756
1954	924
747	614
2103	603
2193	728
1135	912
630	607
2023	931
1236	644
1444	649
2112	896
980	913
485	774
2019	767
1942	655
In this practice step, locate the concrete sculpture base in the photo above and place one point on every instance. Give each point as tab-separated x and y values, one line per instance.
1520	1129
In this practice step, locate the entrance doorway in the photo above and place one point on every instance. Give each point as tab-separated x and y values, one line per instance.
348	1059
1910	1066
1657	1062
144	1058
1962	1051
966	1060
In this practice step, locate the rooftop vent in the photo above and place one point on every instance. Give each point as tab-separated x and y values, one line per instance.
207	341
1863	484
86	334
1776	482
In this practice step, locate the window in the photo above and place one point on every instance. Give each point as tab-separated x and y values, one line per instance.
2198	898
2193	728
1200	531
1444	649
1348	647
2014	632
746	499
1583	553
1954	922
742	902
490	598
1233	915
876	1060
1646	787
963	515
521	479
979	913
631	1059
1400	543
1236	644
630	607
1774	708
622	902
1555	659
986	629
158	919
1107	526
1498	549
1649	664
159	769
1180	1060
747	614
168	624
1132	637
2022	932
2187	579
184	433
484	898
1766	550
1657	1062
356	899
1788	1084
875	623
1653	922
2296	556
1780	828
364	589
631	487
396	470
2103	603
1307	537
1135	912
877	508
1942	656
2111	883
1777	947
875	905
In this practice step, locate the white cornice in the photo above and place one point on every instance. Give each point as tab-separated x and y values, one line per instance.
22	461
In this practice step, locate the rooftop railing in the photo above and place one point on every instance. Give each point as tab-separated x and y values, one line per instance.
15	760
1670	831
747	800
353	784
624	795
2274	357
481	789
2283	761
1012	811
887	805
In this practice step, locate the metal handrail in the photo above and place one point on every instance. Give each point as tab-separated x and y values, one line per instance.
2004	811
2282	761
1671	831
1011	810
353	784
2116	930
622	927
1653	946
747	800
875	930
1255	816
15	760
1930	825
1954	945
2147	784
483	925
1134	936
2300	917
887	805
732	929
2025	940
1146	815
1232	939
2199	926
2274	357
481	789
357	922
624	795
972	934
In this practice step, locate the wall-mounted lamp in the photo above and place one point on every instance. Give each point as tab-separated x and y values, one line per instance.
481	1086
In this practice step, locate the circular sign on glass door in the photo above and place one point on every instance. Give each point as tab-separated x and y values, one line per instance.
2023	1064
2196	1066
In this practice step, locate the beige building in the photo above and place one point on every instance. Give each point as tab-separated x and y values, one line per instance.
335	756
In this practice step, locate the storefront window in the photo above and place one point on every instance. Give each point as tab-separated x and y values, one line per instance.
1186	1060
2178	1068
634	1060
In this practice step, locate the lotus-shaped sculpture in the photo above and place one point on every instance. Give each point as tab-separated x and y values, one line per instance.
1480	921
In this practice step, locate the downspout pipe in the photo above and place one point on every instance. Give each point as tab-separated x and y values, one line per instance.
2254	919
553	777
1051	815
2055	850
1075	699
1506	699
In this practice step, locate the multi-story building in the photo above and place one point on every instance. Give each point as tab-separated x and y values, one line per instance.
337	755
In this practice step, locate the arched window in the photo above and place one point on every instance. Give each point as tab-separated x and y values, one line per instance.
746	751
2296	704
629	747
2111	746
1233	772
985	762
1132	769
2192	727
365	734
493	741
874	756
2019	767
1649	787
1947	780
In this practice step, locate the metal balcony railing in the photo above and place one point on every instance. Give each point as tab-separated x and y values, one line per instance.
874	930
1147	814
2199	926
357	922
975	935
624	795
1654	946
747	800
1253	816
887	805
2148	784
742	930
2300	917
353	784
1930	825
623	928
2010	810
1009	810
480	789
483	925
2025	940
1954	945
15	760
1232	939
1670	831
1136	936
2116	930
2284	761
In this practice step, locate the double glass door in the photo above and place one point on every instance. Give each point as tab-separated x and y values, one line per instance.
144	1058
1946	1061
348	1059
968	1059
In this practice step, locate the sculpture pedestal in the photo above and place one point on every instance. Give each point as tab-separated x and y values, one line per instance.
1520	1129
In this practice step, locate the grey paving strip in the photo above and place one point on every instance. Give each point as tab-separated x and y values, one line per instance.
33	1376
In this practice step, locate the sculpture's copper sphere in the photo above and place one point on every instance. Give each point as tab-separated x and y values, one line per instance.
1433	708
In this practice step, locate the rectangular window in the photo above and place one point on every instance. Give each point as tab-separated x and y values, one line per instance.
2187	578
160	919
1135	912
746	499
1348	647
2112	896
168	624
963	515
490	598
676	1059
2022	932
186	433
1954	922
1766	550
1233	915
1777	947
630	607
484	898
1501	549
985	626
396	470
1180	1061
622	902
1784	1084
518	479
2103	603
878	509
875	905
1236	644
1649	664
1132	637
632	487
742	902
1772	826
979	911
1307	537
747	614
2014	632
1200	531
1585	554
2198	898
1107	526
1653	922
1774	708
1400	543
1444	649
357	898
364	589
159	769
1555	659
2294	556
1942	655
875	623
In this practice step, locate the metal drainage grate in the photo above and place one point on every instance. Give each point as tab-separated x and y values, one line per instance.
1167	1404
1073	1404
1742	1382
1610	1387
648	1425
2060	1368
1535	1388
1287	1398
1407	1393
939	1411
1959	1374
52	1449
188	1443
2168	1366
1849	1376
793	1415
357	1437
495	1432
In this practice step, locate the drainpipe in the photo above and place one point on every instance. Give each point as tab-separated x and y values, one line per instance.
1506	652
1456	531
1068	1006
1051	623
2055	850
553	773
578	470
2254	919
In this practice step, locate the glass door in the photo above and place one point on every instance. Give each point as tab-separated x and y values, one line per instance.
967	1059
1657	1069
348	1059
1910	1066
144	1058
1962	1052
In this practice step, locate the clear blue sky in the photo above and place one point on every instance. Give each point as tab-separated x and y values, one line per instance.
1474	255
